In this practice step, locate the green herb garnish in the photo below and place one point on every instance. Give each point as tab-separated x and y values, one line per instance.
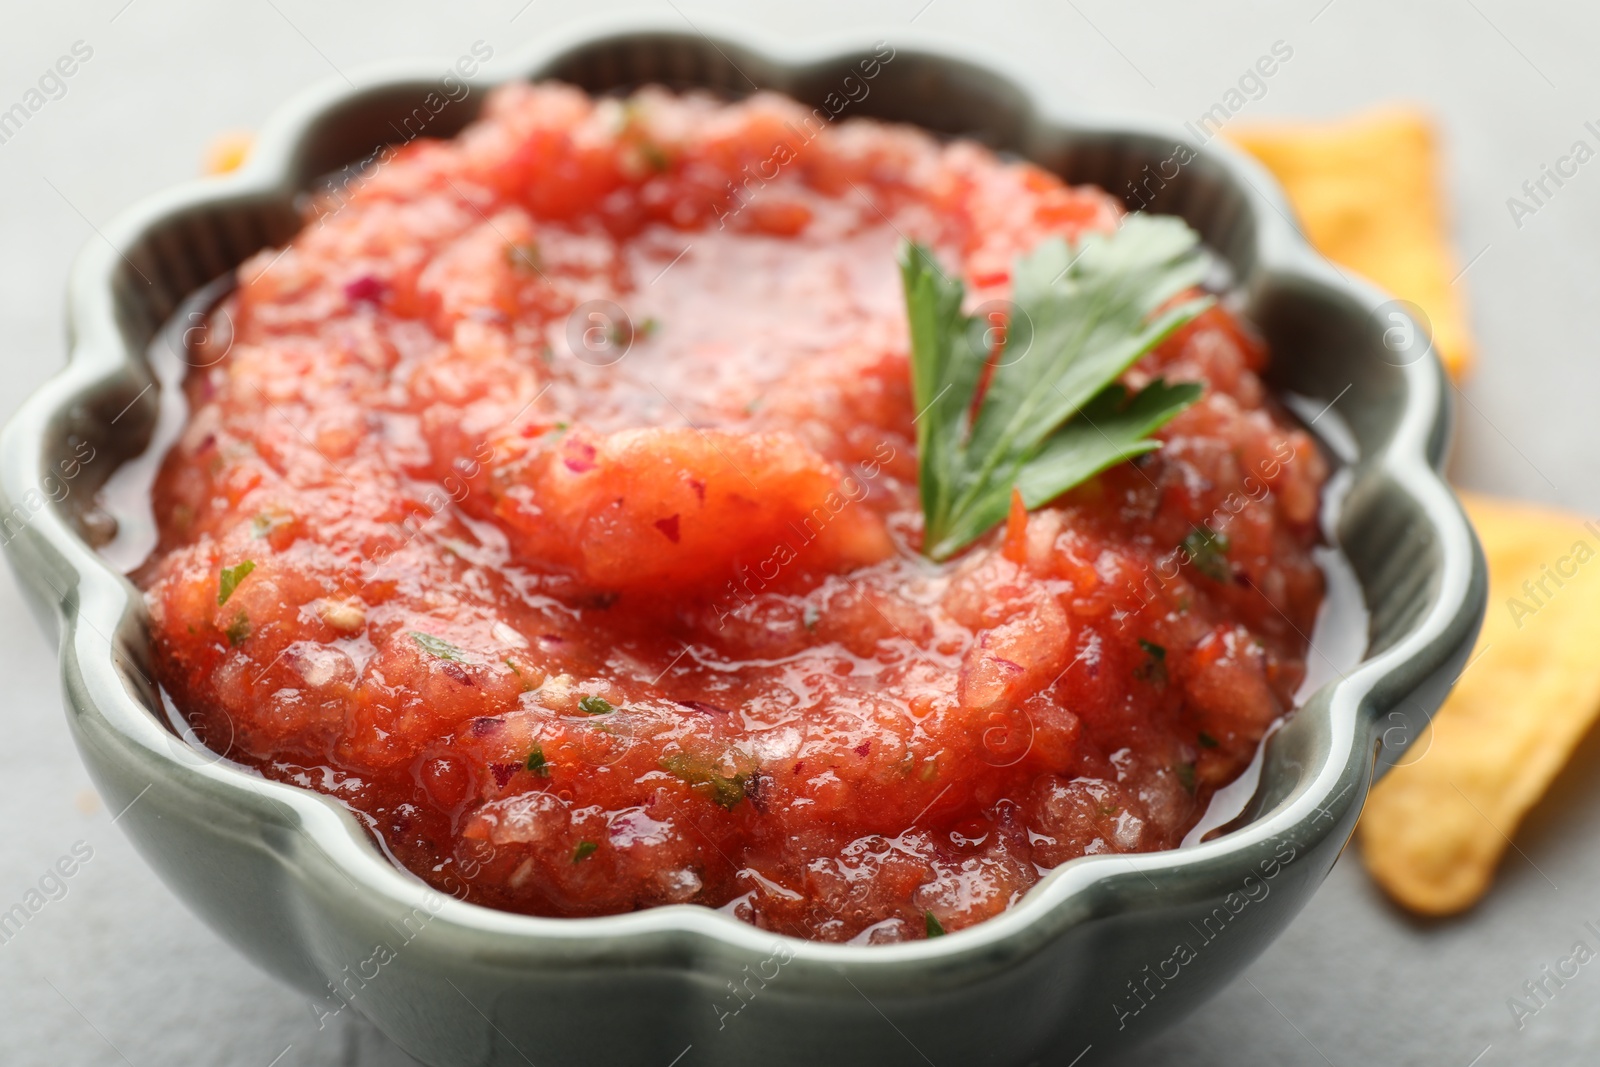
931	922
1207	550
435	647
584	850
231	577
1155	670
707	778
592	705
238	630
1206	740
536	763
1041	412
1186	776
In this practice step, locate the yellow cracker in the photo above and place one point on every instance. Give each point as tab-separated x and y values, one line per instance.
1366	190
1435	828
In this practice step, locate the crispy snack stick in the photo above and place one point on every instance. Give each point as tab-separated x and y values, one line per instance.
1435	827
1366	190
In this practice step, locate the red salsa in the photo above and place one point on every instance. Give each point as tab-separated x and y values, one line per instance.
551	500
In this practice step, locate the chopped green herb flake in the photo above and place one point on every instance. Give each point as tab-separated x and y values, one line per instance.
1154	669
593	705
648	327
1208	551
435	647
238	630
1185	775
536	763
1206	740
709	779
729	791
812	615
1049	414
584	850
231	577
934	926
527	686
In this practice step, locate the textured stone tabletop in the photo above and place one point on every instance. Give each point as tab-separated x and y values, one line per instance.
116	971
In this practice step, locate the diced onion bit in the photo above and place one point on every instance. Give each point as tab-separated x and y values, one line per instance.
346	616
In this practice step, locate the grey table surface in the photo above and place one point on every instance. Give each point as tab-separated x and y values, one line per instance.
117	971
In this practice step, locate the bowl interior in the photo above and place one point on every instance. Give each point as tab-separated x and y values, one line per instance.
1324	346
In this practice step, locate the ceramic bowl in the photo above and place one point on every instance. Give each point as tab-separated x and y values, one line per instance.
1102	952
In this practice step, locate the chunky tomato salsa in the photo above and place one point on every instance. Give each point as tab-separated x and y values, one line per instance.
551	500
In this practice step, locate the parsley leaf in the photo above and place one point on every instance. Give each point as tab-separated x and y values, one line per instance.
593	705
1207	550
931	922
1050	414
707	776
436	647
230	579
1155	670
535	761
584	850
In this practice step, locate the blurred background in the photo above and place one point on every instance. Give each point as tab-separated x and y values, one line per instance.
118	972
